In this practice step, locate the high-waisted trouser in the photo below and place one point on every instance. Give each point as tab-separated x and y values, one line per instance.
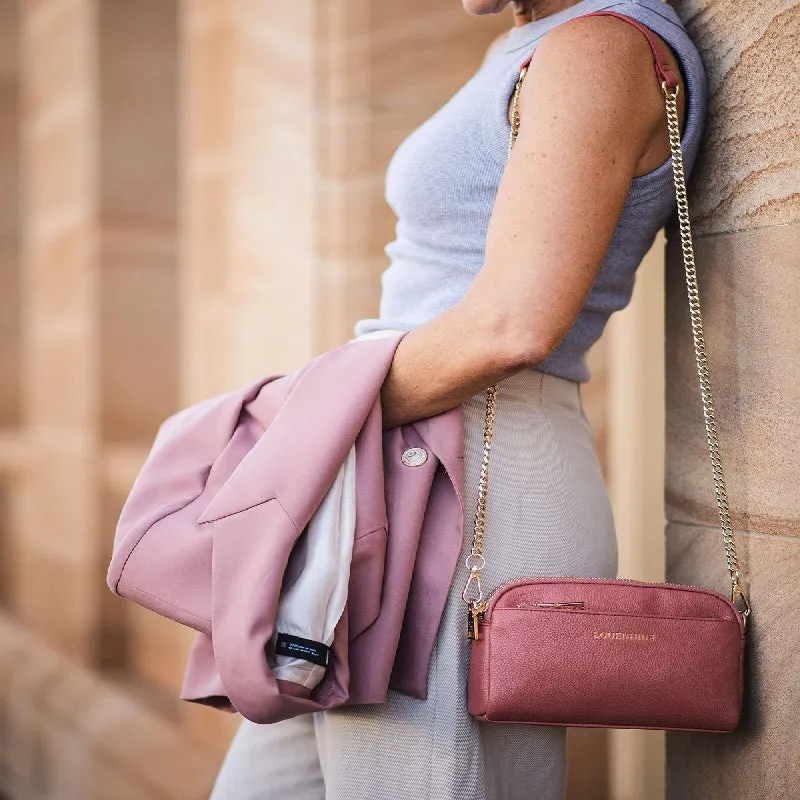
547	514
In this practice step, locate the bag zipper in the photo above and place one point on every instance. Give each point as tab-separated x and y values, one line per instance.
478	613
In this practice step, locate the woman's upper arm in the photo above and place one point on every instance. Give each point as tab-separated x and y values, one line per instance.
589	105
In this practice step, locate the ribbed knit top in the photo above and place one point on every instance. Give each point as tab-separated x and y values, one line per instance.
442	180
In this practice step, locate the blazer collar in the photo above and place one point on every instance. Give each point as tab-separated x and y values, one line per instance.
320	413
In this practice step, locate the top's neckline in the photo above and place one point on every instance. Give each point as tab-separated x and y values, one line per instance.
521	35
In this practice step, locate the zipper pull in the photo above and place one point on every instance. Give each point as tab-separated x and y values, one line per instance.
475	612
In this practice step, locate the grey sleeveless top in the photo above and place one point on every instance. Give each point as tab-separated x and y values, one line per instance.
442	180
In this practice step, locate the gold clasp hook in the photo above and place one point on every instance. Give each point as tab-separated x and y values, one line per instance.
473	588
473	593
739	599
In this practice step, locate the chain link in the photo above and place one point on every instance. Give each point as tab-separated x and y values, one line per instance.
473	590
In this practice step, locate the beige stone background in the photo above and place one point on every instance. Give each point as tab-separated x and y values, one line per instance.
191	194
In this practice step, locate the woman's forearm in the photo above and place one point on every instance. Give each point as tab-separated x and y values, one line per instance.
444	362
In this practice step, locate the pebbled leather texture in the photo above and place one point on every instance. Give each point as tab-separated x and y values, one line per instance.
635	655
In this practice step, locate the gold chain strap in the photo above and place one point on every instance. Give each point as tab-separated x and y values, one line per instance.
701	359
473	590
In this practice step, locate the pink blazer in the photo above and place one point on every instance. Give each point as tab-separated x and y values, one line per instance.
229	485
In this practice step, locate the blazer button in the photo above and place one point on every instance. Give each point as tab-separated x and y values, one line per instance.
414	456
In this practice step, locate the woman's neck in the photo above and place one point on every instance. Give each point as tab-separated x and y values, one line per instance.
526	11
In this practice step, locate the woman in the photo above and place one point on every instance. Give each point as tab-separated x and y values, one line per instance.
503	273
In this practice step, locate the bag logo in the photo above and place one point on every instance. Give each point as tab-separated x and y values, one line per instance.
628	637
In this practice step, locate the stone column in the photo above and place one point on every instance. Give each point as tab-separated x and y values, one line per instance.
248	199
746	212
635	455
10	272
10	279
55	549
290	115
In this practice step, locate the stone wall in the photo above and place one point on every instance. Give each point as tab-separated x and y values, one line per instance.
746	210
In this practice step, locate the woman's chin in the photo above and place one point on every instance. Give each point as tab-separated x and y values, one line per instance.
481	7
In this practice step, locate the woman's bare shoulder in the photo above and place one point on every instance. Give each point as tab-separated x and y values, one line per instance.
606	57
604	38
606	63
602	45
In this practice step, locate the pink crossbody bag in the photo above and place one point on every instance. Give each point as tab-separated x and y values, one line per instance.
612	653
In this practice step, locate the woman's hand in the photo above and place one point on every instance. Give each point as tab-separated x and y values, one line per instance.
591	112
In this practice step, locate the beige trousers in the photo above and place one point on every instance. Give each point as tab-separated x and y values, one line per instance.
547	514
